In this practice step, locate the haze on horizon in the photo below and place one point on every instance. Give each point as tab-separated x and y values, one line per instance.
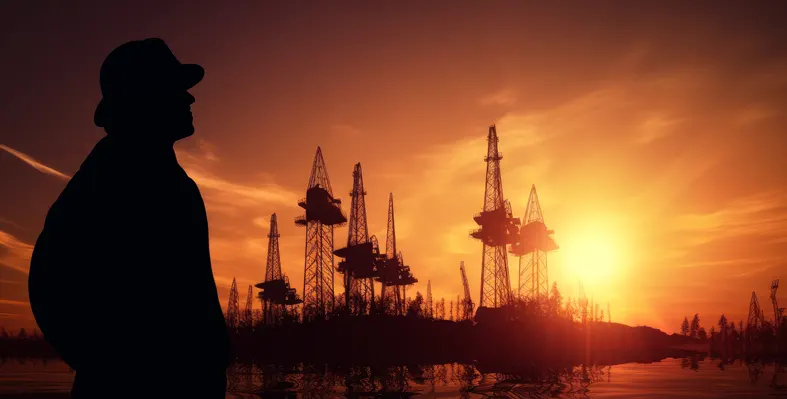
654	135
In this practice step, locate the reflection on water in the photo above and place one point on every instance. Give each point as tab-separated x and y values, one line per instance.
689	377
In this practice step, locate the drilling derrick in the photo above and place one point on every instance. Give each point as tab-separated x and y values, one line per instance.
755	321
534	243
498	229
777	311
233	307
390	290
393	275
467	302
323	213
359	266
276	291
248	320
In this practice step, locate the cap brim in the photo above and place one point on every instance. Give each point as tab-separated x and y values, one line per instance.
190	75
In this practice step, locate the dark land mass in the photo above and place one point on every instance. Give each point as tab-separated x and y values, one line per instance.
387	340
489	343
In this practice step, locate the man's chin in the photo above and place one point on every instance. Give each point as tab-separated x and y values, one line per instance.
184	133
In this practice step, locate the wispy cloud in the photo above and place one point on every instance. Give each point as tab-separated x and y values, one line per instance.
656	127
225	191
41	167
730	262
501	97
750	271
9	282
224	194
11	223
760	214
15	303
346	131
262	222
16	254
208	150
13	316
754	113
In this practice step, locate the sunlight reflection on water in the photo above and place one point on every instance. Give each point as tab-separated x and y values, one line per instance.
671	378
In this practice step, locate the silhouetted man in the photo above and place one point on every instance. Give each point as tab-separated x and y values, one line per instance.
120	281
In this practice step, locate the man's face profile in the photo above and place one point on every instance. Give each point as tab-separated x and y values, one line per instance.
163	115
173	112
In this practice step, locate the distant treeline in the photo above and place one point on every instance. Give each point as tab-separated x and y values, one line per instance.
22	344
761	338
419	307
549	330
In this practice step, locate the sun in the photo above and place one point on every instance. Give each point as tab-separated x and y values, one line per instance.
595	256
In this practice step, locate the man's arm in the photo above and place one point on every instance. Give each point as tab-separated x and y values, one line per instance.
219	336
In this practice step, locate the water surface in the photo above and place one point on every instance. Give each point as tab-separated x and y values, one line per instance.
670	378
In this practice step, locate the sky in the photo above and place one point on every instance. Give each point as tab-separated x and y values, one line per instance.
653	132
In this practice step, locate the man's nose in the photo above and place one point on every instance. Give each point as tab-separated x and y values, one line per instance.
190	98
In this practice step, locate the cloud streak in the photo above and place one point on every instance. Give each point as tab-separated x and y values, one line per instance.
760	214
17	254
15	303
226	195
39	166
502	97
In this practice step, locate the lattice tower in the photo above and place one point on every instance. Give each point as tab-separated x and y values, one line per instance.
755	321
323	213
498	229
533	266
233	307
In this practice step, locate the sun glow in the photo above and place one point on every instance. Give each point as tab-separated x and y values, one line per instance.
596	256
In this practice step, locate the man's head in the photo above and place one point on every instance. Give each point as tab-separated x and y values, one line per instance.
145	93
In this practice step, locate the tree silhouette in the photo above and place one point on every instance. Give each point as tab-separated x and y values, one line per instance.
440	309
701	334
451	310
601	315
723	327
684	327
22	334
4	334
555	300
572	310
695	325
722	323
416	306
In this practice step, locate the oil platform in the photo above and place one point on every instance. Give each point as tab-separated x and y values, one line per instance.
534	243
323	213
498	228
394	276
361	255
276	291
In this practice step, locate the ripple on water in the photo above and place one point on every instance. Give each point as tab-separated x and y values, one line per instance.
670	378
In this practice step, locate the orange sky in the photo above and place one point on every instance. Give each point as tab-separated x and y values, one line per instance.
653	135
